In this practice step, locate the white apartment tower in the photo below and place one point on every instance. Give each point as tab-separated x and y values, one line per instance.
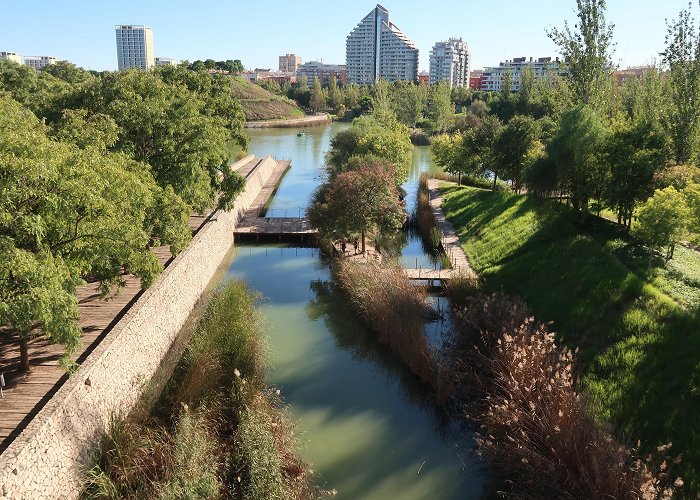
11	56
376	48
450	62
134	47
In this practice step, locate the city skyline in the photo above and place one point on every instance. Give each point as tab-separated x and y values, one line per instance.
310	29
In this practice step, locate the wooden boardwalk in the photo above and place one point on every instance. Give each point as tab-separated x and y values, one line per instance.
25	394
274	226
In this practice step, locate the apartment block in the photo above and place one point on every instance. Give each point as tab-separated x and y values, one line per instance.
289	63
165	61
324	72
11	56
376	48
450	62
39	62
134	47
541	68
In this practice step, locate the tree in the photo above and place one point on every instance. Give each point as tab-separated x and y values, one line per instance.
303	83
65	213
98	131
692	198
682	57
381	97
358	201
352	96
513	145
662	221
634	153
480	146
318	102
409	102
335	96
440	108
587	49
575	150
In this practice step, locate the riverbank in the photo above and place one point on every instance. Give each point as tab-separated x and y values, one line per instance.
631	329
306	121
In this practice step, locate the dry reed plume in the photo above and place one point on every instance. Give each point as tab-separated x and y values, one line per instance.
532	421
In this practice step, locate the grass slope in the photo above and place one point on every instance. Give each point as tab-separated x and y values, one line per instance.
259	104
638	333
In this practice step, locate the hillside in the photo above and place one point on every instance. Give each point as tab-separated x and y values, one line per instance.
259	104
638	334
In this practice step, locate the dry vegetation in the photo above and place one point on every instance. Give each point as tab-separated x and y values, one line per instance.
259	104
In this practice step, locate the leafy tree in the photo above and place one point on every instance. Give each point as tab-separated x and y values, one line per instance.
480	146
479	108
318	102
576	152
448	153
68	72
380	135
358	201
352	96
512	147
335	96
662	221
302	83
38	92
682	57
66	213
381	97
634	154
587	49
98	131
505	102
692	198
409	102
440	108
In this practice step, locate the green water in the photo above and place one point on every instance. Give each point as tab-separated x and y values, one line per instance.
368	428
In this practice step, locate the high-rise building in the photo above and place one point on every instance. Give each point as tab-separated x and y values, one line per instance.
39	62
134	47
324	72
289	63
11	56
377	48
450	62
541	68
165	61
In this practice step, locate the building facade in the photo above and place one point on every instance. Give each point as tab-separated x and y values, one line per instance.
324	72
134	47
165	61
541	68
11	56
476	79
39	62
289	63
376	48
450	62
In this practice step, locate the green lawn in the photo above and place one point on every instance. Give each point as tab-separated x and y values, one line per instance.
638	333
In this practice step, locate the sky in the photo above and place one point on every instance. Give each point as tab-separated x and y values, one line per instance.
258	31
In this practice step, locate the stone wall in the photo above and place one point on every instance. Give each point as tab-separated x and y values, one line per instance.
50	457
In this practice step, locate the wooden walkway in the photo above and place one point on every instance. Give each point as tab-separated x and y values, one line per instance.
25	394
274	226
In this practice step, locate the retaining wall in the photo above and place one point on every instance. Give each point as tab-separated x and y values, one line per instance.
50	457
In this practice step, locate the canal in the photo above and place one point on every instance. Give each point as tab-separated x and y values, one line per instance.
367	427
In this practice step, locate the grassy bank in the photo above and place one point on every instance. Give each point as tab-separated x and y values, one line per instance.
259	104
218	431
637	333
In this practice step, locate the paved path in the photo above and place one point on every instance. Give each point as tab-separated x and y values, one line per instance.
450	241
304	121
274	226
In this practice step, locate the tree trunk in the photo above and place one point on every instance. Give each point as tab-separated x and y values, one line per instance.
23	354
495	176
459	178
363	242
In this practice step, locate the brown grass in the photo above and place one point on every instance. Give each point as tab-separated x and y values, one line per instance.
533	422
396	310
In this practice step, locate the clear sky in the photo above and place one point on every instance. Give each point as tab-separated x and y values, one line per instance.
258	31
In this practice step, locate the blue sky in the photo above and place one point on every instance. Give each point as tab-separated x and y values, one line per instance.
257	31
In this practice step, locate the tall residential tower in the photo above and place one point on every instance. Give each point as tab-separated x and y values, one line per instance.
377	48
134	47
450	62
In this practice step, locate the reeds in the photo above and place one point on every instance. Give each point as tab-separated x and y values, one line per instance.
230	436
532	421
396	310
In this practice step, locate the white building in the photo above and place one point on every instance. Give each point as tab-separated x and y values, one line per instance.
166	61
39	62
11	56
376	48
450	62
324	72
541	68
134	47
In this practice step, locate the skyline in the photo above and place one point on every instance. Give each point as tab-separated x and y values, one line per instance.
257	34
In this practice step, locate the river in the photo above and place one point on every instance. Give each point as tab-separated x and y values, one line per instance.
367	427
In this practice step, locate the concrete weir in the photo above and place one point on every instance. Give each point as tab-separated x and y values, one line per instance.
49	457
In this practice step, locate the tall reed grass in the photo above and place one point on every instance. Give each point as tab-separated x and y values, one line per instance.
230	437
532	421
397	311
